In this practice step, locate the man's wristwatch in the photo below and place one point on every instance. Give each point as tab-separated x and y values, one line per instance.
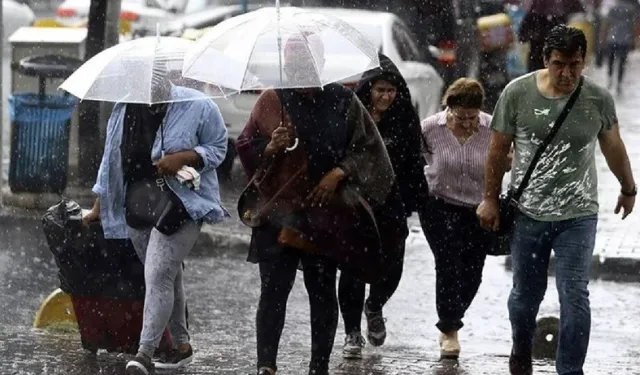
631	193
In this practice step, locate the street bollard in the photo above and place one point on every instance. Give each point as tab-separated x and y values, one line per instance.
54	310
545	341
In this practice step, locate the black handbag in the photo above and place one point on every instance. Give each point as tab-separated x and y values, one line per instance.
151	203
501	244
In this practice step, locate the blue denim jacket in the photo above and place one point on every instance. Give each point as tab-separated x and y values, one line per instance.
189	125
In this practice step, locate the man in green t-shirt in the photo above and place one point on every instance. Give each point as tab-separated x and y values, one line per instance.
558	209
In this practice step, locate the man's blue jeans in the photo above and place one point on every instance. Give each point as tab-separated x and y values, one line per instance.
572	242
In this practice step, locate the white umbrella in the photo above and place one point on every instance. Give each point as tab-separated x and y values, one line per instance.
325	49
139	71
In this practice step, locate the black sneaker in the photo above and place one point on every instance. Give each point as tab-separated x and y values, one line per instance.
162	355
520	364
353	344
175	360
266	371
140	365
376	329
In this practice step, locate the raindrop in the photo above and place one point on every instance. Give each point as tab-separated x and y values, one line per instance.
549	337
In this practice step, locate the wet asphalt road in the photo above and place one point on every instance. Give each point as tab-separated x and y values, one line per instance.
223	291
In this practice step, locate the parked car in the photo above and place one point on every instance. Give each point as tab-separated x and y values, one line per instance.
189	13
73	12
392	38
432	22
194	22
142	14
14	16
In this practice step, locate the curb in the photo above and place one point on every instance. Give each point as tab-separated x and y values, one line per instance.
213	238
11	213
42	201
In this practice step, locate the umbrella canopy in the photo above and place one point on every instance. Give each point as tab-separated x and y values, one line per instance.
138	71
278	47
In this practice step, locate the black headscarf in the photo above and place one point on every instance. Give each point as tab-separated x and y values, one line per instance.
320	120
141	124
400	129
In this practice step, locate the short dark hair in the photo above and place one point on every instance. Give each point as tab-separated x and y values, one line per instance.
565	39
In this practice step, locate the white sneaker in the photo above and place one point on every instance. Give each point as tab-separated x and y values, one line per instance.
449	345
353	344
139	365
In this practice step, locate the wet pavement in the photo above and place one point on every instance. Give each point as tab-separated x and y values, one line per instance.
223	291
620	238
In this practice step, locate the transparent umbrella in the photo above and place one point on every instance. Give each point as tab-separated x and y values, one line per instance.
280	47
139	71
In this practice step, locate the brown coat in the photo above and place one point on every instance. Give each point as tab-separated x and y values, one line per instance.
346	229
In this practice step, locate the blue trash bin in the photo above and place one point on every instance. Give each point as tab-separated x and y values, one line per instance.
39	142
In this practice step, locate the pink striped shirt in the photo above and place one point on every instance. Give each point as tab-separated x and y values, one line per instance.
454	171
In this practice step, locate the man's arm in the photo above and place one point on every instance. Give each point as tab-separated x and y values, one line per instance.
497	164
615	153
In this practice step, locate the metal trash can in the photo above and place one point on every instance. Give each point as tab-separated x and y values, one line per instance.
40	129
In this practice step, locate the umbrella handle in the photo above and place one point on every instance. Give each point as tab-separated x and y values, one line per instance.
295	145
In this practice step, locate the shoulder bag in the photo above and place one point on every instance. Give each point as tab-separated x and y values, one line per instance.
151	203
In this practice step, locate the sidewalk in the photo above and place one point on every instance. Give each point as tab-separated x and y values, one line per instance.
618	242
223	290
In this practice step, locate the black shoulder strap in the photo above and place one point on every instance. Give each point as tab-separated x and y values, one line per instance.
543	146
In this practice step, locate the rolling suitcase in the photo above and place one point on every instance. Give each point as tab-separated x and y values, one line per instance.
104	278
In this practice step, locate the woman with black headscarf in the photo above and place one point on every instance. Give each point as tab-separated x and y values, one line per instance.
306	197
385	94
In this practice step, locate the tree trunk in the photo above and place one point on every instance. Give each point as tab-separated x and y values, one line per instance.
89	128
112	23
1	110
103	32
112	37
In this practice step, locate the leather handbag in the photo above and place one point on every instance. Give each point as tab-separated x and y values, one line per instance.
346	232
501	244
289	236
253	207
151	203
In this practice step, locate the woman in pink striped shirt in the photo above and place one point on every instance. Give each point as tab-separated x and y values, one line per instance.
457	141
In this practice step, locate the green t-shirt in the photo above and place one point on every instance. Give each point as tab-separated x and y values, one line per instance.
564	184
